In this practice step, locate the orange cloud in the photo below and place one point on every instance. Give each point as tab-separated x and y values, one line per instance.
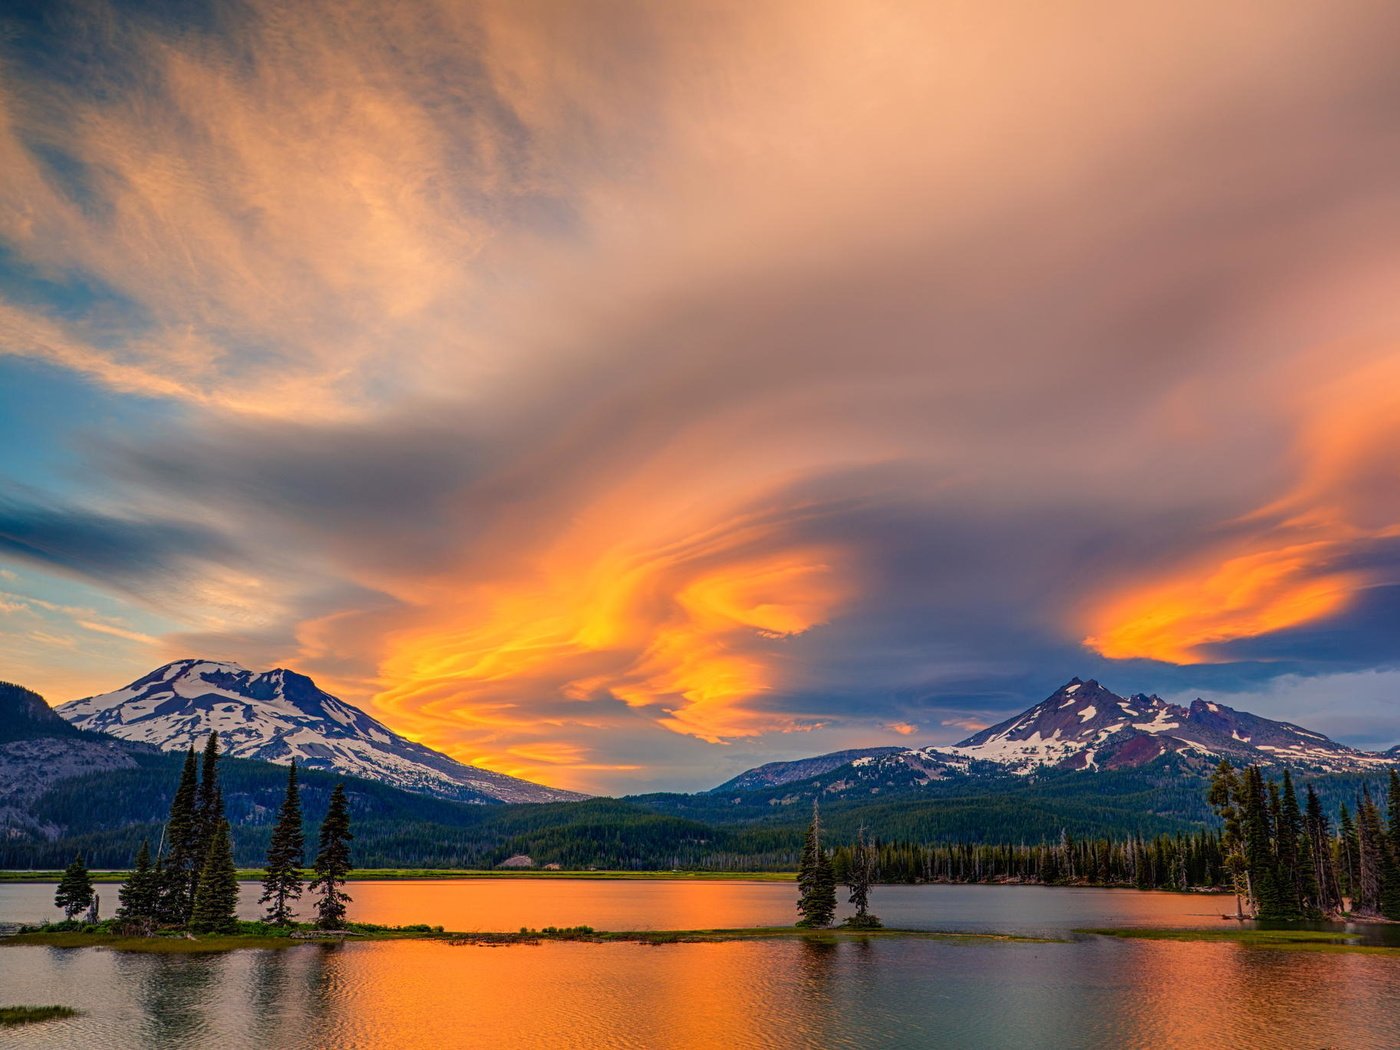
1302	558
690	632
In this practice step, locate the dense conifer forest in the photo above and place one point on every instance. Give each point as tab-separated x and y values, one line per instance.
1154	827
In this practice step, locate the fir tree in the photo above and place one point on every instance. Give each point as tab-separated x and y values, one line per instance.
1390	853
1370	851
333	863
139	895
216	897
1224	797
180	866
74	893
285	855
816	883
1260	863
209	802
1329	893
1349	868
860	874
1297	883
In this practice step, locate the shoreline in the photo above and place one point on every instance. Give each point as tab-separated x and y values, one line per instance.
179	943
117	875
426	874
256	936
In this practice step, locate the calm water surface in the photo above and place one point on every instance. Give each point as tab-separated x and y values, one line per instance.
1091	992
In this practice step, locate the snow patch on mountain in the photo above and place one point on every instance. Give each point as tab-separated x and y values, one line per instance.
279	716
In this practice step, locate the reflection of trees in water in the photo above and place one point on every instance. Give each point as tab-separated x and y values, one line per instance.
816	968
835	989
266	999
283	995
178	995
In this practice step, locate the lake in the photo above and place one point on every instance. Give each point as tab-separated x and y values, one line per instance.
1088	992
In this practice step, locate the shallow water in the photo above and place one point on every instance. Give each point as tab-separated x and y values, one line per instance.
1090	992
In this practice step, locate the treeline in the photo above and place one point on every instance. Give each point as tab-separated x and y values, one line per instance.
1283	860
1167	862
191	883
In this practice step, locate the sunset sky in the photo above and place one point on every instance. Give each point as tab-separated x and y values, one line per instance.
624	394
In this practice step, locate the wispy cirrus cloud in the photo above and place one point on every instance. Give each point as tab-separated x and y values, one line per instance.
607	393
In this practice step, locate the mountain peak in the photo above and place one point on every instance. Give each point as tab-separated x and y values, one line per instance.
1083	724
281	716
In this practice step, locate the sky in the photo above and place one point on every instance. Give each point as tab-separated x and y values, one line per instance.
621	395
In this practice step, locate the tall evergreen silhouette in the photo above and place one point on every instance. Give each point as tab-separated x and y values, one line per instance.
183	856
1224	798
1390	859
1319	832
139	896
282	883
1298	885
333	863
209	804
1256	821
1349	866
74	893
215	907
861	873
816	882
1371	856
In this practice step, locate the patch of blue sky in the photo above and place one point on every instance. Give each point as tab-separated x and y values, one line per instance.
48	418
69	296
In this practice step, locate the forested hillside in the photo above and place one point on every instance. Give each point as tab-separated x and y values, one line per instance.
106	815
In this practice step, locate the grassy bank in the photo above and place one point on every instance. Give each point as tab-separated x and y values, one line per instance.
256	935
1337	941
13	1016
746	933
406	874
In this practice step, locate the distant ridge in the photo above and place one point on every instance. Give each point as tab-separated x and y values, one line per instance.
1082	726
280	715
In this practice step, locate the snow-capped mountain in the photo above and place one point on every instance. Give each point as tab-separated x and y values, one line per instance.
1080	726
278	716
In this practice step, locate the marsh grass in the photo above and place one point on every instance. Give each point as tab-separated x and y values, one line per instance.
1337	941
11	1016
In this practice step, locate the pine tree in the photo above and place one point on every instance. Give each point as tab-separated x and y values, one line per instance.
1296	884
74	893
1350	866
1261	870
180	866
1329	893
139	895
209	803
333	863
1370	851
1390	853
216	898
1224	797
816	883
860	874
285	855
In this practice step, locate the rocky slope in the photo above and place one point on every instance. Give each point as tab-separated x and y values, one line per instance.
278	716
37	750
